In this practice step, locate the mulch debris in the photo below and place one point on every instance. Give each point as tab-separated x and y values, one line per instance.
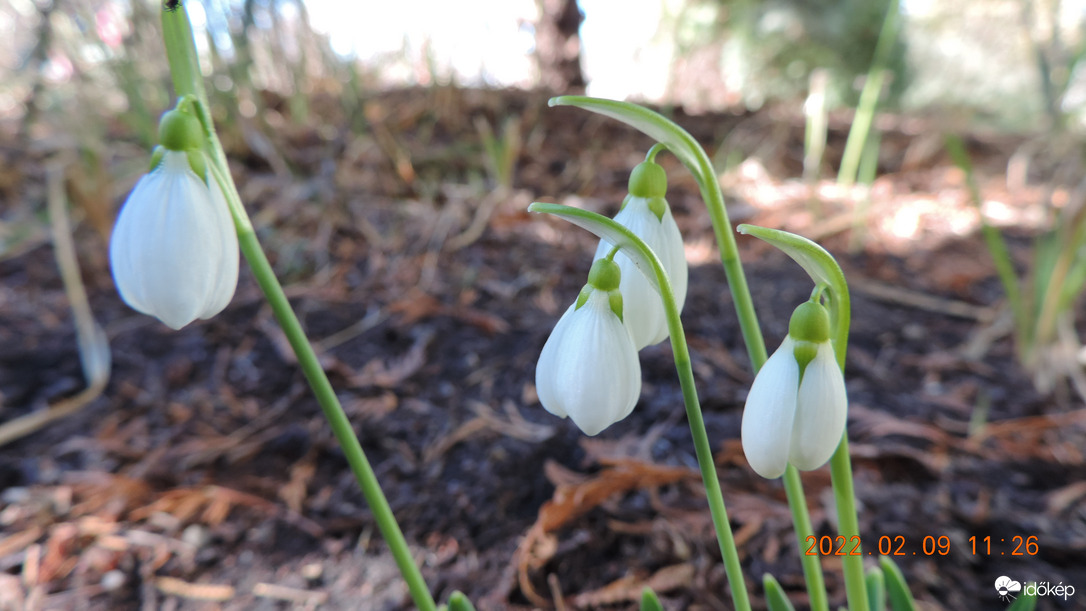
205	477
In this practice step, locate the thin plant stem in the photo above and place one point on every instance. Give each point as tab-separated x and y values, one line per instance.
844	491
693	156
637	250
181	52
704	453
848	525
830	282
801	519
752	336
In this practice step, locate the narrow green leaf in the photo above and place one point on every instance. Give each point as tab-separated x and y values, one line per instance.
993	238
896	588
869	98
649	601
631	245
653	124
689	152
822	268
1026	602
459	602
815	260
775	598
876	590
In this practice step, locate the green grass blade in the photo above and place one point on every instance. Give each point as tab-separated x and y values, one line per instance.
896	587
993	239
459	602
869	98
1026	602
876	590
649	601
775	599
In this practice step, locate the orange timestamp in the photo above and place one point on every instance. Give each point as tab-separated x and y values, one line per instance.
930	545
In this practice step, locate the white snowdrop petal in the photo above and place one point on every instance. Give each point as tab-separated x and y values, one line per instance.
617	385
821	411
674	257
643	311
167	250
227	276
187	255
547	382
127	241
588	369
769	412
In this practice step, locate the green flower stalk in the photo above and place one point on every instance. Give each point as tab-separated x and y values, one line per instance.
184	69
824	272
795	412
693	156
650	265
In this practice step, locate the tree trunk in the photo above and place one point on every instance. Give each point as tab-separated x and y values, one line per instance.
558	46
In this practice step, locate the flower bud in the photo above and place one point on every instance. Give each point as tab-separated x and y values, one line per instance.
648	179
174	250
645	212
797	406
588	369
180	131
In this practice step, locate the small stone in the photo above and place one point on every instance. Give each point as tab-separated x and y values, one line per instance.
113	580
914	332
312	571
196	536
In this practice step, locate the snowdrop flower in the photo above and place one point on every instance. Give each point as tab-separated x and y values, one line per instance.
646	213
174	251
588	369
795	412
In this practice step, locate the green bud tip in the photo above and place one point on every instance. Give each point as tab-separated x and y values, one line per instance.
810	322
180	131
614	299
605	275
809	328
804	352
648	179
197	163
658	206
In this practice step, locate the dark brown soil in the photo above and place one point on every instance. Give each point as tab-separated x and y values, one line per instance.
206	477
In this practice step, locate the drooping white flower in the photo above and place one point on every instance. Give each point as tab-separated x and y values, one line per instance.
589	370
646	213
174	250
797	407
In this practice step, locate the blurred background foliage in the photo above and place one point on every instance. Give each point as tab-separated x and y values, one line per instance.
87	79
1014	63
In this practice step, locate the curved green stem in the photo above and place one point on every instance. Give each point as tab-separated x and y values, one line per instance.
823	270
187	81
693	156
655	150
646	261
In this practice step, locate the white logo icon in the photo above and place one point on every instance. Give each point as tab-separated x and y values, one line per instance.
1007	588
